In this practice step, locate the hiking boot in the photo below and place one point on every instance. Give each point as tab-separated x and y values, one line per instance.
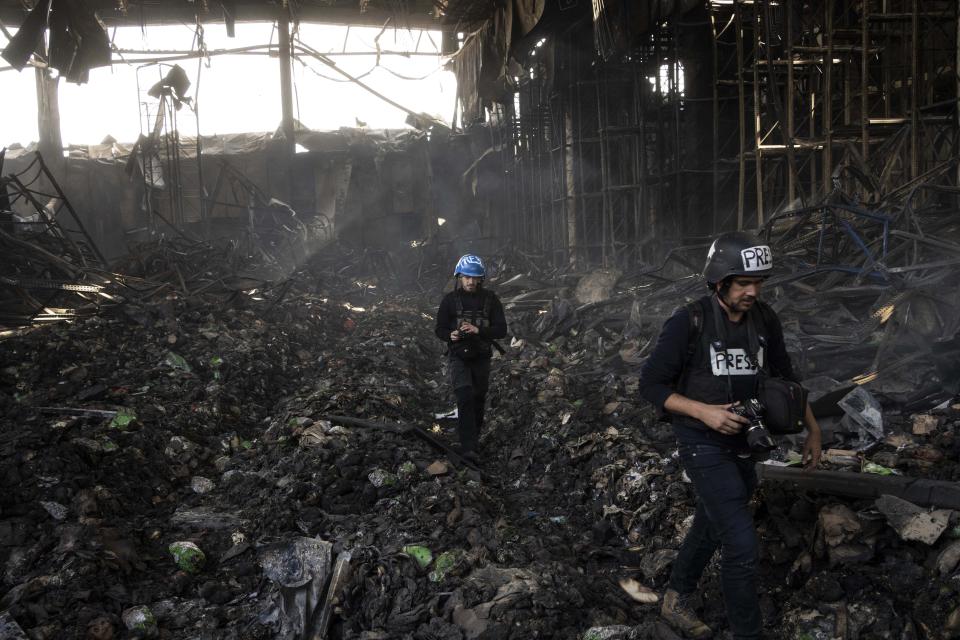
678	611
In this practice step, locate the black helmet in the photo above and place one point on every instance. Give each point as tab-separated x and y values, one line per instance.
737	254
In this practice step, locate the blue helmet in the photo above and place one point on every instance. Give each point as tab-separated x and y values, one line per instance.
470	265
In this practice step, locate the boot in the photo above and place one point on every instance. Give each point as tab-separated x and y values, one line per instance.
678	611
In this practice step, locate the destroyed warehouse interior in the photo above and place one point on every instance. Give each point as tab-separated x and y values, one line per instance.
223	409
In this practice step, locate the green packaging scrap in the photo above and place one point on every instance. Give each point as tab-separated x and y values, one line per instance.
188	556
422	555
123	419
177	361
140	620
878	469
444	562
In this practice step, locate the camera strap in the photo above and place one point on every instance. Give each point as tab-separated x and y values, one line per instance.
720	344
753	345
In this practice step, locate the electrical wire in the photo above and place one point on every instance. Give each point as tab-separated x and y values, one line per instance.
342	80
302	61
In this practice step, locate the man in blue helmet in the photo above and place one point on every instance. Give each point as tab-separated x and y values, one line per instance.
708	358
469	319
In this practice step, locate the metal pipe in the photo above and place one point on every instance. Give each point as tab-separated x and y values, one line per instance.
828	99
865	84
792	173
757	123
741	184
914	90
716	122
286	82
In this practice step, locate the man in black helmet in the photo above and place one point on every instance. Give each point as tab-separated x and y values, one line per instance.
705	362
469	320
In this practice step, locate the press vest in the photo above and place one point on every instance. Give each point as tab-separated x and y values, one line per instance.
471	347
721	369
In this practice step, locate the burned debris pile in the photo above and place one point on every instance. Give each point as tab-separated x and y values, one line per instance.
233	450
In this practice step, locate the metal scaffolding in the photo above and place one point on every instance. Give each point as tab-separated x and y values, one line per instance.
852	94
596	172
721	118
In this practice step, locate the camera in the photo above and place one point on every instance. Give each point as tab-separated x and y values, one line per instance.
758	436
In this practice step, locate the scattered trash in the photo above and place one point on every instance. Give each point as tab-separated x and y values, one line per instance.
619	632
861	407
301	567
949	559
878	469
57	511
140	621
839	524
382	478
438	468
123	419
442	565
449	415
201	485
924	424
422	555
911	522
188	556
9	629
639	592
177	362
204	518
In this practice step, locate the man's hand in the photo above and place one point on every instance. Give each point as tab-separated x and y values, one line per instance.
813	446
811	451
719	418
454	335
716	416
466	327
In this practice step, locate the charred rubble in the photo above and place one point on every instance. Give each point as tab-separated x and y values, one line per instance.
227	458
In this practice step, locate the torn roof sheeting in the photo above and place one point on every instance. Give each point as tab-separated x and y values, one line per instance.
410	14
78	40
229	144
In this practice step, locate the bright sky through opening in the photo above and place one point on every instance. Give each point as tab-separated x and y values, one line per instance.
241	93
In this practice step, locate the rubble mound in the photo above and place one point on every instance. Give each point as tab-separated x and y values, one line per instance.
275	467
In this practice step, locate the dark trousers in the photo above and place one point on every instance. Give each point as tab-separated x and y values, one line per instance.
724	483
470	380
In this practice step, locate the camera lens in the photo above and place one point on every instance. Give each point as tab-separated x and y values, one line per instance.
759	439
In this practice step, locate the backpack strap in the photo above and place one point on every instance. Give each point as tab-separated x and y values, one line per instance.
761	315
695	312
767	314
695	330
720	326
